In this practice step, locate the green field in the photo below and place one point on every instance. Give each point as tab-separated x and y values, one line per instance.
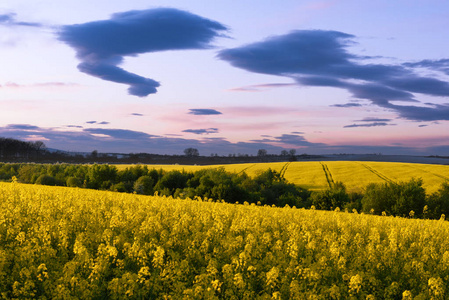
316	175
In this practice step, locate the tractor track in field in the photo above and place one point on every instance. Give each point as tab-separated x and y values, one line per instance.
428	172
284	169
328	174
378	174
244	170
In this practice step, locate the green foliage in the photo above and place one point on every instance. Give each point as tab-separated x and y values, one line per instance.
171	181
101	176
73	182
438	203
396	199
331	198
45	179
144	185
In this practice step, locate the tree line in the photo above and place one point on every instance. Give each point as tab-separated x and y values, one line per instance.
16	149
405	199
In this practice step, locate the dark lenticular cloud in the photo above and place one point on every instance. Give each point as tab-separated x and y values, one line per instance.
204	111
321	58
102	45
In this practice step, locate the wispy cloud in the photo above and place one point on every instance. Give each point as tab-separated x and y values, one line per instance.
370	119
261	87
121	134
289	140
204	111
137	114
102	45
97	122
321	58
350	104
22	127
10	20
374	124
16	85
371	122
202	131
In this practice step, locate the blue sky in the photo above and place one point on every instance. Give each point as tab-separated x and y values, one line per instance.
223	77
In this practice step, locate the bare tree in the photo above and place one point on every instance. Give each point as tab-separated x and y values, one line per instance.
191	152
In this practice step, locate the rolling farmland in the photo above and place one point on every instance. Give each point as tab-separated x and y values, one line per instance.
315	175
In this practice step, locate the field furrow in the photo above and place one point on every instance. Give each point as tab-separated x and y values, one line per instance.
284	169
327	173
377	173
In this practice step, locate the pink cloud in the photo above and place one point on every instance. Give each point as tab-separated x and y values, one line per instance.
15	85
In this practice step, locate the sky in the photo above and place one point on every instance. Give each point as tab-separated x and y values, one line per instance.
321	77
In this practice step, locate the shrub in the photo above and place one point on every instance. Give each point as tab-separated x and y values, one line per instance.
396	199
46	180
144	185
73	182
438	202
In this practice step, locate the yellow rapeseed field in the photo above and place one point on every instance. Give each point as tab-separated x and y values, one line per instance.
68	243
316	175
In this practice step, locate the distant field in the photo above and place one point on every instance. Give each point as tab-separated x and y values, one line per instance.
316	175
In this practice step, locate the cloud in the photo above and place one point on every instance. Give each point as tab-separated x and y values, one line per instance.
122	134
21	127
204	111
202	131
129	141
321	58
374	120
126	141
10	20
350	104
261	87
374	124
102	45
441	64
97	122
137	114
41	84
295	140
371	122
